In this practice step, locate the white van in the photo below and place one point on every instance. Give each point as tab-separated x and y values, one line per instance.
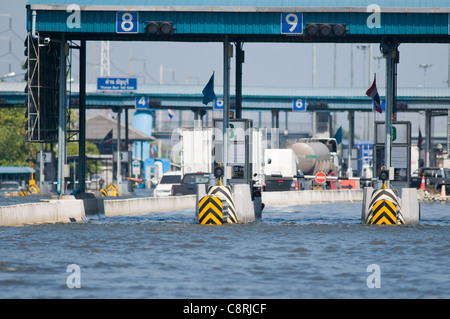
164	186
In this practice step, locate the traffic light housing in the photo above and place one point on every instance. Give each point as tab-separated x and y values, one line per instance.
317	106
325	29
159	27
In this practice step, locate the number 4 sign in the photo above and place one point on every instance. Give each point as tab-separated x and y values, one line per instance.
291	23
142	102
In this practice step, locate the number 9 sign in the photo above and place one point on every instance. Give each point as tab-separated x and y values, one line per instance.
291	23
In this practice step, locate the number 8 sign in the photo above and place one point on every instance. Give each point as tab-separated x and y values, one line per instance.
127	22
291	23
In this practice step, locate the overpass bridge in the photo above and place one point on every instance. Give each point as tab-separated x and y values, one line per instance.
189	97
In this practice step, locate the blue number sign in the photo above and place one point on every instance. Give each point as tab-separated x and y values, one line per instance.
298	105
291	23
142	102
218	104
127	22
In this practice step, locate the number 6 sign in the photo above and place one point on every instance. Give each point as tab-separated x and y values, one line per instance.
291	23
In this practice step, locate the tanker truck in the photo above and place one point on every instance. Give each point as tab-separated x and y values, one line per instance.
317	155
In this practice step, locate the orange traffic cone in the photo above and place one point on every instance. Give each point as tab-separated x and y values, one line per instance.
443	193
422	185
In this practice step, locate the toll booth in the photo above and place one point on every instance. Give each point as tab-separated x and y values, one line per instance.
246	146
400	152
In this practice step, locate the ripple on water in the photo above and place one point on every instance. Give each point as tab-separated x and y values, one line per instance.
319	251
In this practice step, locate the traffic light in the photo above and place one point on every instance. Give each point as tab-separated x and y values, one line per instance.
325	29
317	106
159	27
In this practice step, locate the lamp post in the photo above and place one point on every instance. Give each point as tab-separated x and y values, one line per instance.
425	66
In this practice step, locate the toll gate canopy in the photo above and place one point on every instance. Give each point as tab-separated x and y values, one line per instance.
52	23
243	20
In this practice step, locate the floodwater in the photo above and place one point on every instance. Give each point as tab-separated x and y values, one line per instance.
318	251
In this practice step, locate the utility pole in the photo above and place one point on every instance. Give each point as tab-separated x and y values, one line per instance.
425	66
105	69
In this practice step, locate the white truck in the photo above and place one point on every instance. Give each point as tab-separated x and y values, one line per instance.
196	150
280	168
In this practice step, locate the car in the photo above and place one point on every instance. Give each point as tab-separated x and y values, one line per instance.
164	186
10	185
10	188
435	177
189	183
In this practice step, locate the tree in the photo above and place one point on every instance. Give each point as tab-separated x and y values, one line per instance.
91	148
14	149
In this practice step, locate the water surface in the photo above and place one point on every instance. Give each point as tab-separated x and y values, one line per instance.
317	251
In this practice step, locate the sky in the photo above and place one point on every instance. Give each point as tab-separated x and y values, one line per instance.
266	64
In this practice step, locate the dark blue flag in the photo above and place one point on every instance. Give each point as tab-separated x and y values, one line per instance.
338	135
208	91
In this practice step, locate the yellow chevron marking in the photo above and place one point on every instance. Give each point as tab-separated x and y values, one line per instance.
207	207
384	212
210	217
210	210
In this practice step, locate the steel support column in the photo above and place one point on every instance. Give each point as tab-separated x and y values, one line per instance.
427	137
390	101
82	121
60	185
226	103
351	141
239	61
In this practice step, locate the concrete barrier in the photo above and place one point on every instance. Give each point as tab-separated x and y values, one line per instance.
245	211
144	205
67	209
410	206
308	197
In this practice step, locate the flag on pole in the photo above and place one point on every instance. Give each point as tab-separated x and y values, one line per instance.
420	140
372	92
338	135
208	91
107	139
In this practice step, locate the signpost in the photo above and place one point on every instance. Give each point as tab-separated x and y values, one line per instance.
291	23
299	105
141	102
116	84
321	177
218	104
127	22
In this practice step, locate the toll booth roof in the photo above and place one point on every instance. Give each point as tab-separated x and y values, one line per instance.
324	4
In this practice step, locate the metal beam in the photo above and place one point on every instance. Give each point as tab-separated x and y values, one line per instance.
60	185
226	104
82	121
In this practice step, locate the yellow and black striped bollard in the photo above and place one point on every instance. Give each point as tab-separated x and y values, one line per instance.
210	211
